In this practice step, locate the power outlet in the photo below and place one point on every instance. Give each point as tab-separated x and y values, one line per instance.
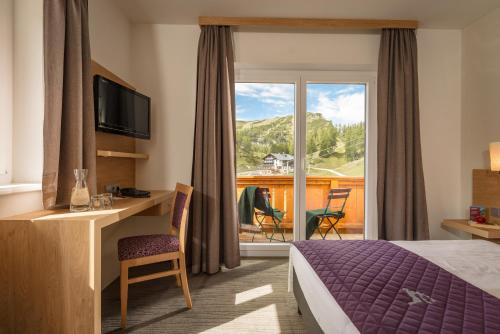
112	188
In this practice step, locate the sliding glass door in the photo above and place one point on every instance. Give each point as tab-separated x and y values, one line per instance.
302	155
265	160
335	160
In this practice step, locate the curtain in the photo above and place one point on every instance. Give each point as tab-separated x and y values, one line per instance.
214	235
402	208
68	127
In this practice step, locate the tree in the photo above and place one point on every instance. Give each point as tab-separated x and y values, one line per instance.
354	139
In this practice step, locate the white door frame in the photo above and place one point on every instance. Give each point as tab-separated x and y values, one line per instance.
300	79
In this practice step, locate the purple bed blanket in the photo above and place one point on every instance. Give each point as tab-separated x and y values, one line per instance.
384	288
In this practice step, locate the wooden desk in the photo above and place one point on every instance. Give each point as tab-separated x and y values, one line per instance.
476	232
50	266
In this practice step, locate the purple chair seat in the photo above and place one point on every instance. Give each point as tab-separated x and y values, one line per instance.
146	245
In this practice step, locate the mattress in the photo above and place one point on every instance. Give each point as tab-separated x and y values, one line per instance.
474	261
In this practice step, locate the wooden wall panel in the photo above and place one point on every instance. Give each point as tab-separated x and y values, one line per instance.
111	170
117	171
306	23
486	188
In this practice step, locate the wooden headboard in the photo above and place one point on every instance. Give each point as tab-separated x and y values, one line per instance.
486	188
113	170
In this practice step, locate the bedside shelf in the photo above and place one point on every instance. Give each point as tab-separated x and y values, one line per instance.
477	232
116	154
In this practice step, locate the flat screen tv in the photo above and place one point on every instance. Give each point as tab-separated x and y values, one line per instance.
121	110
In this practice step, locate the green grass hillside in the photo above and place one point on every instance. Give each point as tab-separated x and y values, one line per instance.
329	148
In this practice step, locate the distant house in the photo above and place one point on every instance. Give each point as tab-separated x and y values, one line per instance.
279	161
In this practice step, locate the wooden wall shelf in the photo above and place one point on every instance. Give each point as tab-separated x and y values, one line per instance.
477	232
116	154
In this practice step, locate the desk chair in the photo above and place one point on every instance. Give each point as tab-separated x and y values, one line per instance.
146	249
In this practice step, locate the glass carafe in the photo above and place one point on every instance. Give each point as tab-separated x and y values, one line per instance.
80	196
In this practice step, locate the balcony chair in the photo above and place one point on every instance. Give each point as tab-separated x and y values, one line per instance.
332	213
264	209
146	249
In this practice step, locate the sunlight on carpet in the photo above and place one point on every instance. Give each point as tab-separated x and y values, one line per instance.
263	320
252	298
248	295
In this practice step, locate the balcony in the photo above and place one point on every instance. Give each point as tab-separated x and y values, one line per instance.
317	188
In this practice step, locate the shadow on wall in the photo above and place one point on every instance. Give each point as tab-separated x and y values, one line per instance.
147	73
164	67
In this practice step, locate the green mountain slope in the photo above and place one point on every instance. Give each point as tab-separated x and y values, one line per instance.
325	142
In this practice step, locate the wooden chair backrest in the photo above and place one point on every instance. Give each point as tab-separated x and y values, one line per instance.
181	231
338	193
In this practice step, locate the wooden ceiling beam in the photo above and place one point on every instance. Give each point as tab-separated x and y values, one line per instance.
306	23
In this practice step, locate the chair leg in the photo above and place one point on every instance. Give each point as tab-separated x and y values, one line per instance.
175	265
123	293
272	237
319	228
260	222
185	287
335	229
279	230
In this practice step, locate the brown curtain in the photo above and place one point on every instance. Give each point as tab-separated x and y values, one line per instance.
402	208
68	128
214	217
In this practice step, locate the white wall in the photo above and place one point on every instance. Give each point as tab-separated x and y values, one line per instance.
307	50
439	63
481	96
110	38
6	88
28	91
25	97
164	67
18	203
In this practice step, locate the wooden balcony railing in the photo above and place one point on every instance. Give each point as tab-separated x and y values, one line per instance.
317	188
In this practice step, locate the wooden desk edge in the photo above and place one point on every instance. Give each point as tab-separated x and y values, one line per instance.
142	204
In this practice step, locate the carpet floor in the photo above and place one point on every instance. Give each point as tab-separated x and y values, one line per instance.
252	298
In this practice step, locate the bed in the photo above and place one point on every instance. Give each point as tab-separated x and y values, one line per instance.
473	265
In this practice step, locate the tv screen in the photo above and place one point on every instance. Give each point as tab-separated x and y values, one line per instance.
121	110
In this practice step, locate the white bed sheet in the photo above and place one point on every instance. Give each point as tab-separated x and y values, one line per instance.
475	261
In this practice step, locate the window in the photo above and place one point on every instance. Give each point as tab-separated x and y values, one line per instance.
265	139
300	134
21	148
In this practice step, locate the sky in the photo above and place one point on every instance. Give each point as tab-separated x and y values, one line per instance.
340	103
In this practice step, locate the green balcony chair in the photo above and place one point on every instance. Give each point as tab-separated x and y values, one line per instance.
255	201
332	213
264	209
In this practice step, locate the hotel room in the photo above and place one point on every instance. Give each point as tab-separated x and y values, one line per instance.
231	166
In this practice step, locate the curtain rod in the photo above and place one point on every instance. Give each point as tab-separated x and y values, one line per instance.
306	23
